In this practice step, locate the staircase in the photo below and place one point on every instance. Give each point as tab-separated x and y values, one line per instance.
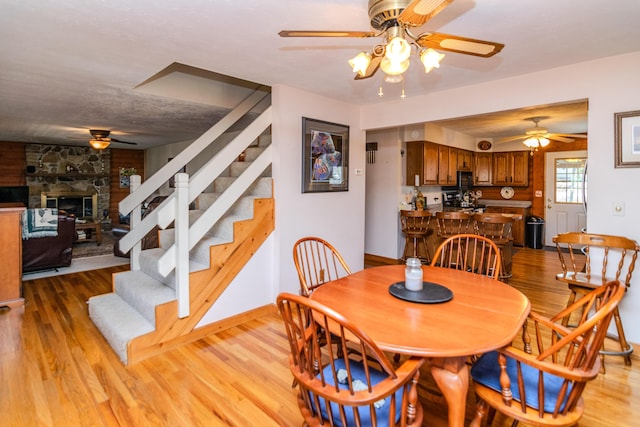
155	306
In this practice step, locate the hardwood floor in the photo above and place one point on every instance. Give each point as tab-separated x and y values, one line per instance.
57	370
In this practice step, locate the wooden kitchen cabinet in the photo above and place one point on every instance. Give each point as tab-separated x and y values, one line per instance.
482	169
422	160
511	168
447	165
518	230
465	160
11	254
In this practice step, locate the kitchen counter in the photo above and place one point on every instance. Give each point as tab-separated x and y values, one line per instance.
506	203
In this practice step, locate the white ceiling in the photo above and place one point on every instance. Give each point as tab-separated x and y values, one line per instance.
70	65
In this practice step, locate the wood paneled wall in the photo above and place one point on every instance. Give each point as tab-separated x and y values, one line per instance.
536	177
122	159
13	162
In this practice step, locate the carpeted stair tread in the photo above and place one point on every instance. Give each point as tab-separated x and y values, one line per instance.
149	264
118	322
142	292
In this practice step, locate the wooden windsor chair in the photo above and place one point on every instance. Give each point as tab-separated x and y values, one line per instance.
545	388
340	388
606	258
317	262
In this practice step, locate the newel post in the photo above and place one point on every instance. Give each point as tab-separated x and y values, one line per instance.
134	220
182	243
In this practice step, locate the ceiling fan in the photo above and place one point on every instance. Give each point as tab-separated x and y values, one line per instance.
101	140
392	19
537	136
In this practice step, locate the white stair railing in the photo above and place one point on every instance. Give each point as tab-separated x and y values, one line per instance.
175	208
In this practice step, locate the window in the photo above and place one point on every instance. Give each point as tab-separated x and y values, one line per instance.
570	185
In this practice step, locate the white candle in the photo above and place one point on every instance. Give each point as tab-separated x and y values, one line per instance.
417	180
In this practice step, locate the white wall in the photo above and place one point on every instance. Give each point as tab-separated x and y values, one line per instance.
337	217
610	85
384	180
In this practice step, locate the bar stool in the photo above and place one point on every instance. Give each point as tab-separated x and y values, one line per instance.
415	226
452	223
498	228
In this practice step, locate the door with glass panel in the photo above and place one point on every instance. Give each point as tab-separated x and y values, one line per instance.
565	193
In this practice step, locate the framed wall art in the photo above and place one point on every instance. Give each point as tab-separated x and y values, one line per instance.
627	139
125	176
325	156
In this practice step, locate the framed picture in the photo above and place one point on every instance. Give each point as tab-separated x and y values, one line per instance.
627	139
325	156
125	176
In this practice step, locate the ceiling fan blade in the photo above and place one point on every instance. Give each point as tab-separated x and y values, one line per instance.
571	135
459	44
371	69
556	137
123	142
420	11
320	33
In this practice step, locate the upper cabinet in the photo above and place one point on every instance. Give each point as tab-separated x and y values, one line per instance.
447	165
511	168
436	164
465	160
482	168
422	161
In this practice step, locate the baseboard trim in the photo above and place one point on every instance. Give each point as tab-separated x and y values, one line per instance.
370	260
201	332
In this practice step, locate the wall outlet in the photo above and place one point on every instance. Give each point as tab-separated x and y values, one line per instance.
358	172
538	193
618	208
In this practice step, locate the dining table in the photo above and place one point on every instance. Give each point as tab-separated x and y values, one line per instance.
477	315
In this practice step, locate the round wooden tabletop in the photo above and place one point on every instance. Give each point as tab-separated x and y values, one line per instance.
483	315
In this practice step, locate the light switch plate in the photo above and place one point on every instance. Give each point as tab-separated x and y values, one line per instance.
538	193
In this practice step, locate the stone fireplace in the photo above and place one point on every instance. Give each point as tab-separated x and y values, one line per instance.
69	177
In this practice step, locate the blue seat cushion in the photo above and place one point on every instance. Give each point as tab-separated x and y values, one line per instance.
486	371
357	373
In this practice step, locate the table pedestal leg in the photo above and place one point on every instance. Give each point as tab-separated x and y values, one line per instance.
452	377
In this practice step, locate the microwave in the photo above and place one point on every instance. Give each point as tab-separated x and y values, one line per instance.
464	182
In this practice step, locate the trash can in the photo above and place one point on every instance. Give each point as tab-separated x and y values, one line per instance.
534	235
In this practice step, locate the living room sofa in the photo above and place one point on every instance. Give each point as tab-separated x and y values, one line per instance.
45	253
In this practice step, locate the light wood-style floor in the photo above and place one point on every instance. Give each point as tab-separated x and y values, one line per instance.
57	370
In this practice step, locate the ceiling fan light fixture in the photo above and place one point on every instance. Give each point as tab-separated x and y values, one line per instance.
430	58
100	144
393	78
536	141
360	63
398	50
393	68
